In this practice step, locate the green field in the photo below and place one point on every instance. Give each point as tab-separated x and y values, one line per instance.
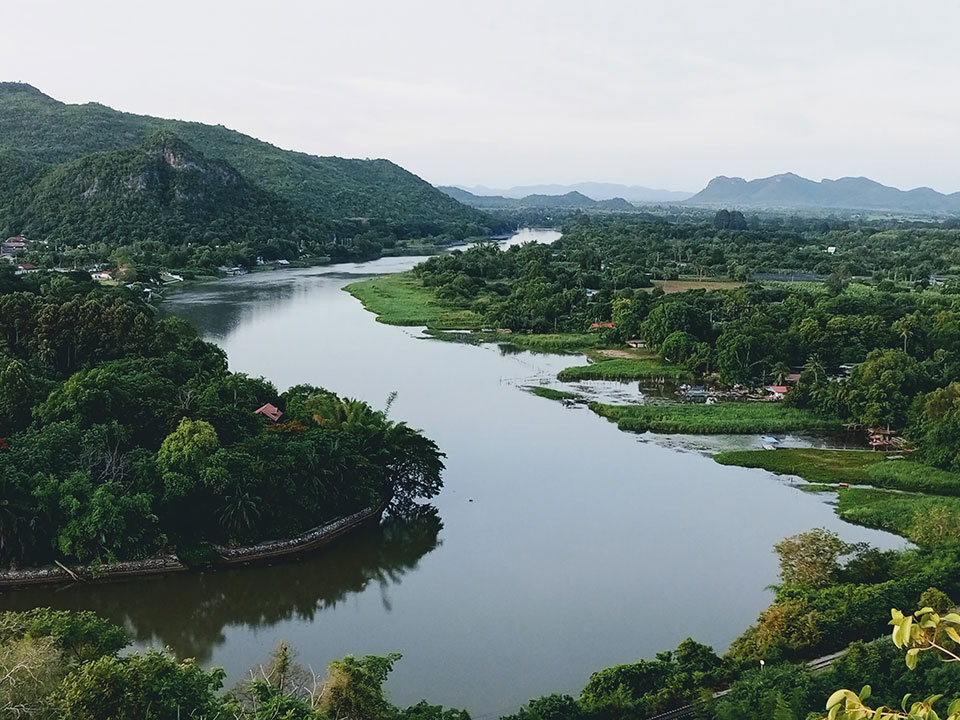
402	300
722	418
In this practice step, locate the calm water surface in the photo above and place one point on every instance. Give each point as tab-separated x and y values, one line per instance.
561	545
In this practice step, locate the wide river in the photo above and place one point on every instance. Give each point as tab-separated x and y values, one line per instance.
565	546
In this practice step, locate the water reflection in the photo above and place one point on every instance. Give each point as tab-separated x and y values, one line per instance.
198	607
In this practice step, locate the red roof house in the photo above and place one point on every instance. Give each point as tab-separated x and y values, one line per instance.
594	326
269	411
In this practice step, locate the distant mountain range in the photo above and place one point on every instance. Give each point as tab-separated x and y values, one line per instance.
788	191
88	172
593	190
568	201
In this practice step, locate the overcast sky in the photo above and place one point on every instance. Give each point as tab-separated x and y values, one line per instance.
504	92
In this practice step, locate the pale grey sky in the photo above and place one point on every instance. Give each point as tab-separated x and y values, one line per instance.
504	92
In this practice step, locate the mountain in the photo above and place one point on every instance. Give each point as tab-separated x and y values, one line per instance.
569	201
850	193
42	139
162	189
593	190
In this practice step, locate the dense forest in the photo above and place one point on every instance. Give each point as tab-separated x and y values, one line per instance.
90	181
124	436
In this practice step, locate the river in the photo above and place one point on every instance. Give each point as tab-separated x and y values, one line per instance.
561	545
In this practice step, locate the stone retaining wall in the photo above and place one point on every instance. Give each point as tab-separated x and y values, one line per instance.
268	550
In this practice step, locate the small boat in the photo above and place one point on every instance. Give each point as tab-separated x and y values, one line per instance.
769	439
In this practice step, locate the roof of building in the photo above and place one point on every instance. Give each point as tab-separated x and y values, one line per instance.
778	389
269	410
601	325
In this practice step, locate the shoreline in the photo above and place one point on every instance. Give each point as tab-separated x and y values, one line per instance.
308	541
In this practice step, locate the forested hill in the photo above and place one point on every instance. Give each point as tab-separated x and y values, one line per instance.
43	141
850	193
163	184
569	201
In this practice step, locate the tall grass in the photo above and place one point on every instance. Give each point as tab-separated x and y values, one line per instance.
640	368
813	465
857	467
893	512
721	418
547	342
914	477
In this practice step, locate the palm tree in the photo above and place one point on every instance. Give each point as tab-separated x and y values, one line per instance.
815	365
906	327
239	511
780	370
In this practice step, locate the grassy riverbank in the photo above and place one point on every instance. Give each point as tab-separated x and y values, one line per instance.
548	342
403	300
813	465
721	418
906	515
625	364
855	467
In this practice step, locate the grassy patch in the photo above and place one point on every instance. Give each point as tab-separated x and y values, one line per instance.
890	511
635	366
815	466
549	343
402	300
679	286
721	418
914	477
856	467
551	393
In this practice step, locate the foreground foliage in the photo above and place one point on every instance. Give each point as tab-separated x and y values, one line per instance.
68	666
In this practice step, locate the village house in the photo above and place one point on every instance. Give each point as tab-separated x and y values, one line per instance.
15	244
101	275
776	392
26	269
270	411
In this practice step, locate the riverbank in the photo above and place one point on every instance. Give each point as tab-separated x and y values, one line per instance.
886	471
401	299
220	556
625	364
728	418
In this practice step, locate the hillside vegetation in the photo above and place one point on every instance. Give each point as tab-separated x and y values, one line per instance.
80	174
